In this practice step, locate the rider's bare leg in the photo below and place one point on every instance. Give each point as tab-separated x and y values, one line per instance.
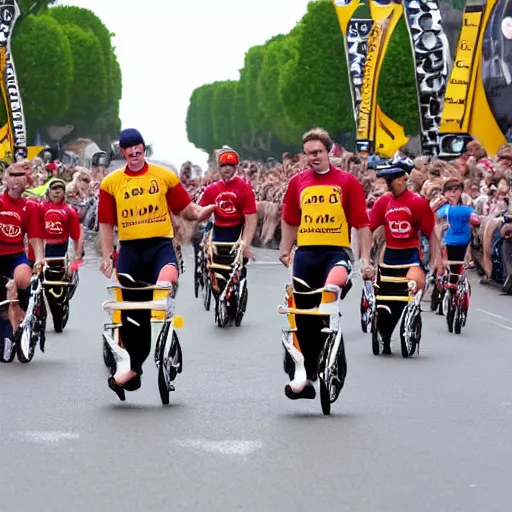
490	228
21	280
416	275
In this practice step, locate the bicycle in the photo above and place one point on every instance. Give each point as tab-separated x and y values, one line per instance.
59	289
368	305
7	345
229	287
456	298
168	355
331	363
32	329
390	284
201	282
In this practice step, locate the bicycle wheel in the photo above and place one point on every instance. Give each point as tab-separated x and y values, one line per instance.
241	307
197	272
457	320
376	341
332	378
435	298
163	384
26	341
410	331
450	312
207	296
108	357
7	349
170	364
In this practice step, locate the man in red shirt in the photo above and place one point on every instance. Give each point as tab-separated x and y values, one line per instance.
60	222
321	206
404	215
18	217
236	212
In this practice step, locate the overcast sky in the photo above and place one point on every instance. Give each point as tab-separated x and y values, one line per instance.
193	42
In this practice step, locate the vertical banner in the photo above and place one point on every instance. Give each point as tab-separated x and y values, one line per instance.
385	15
9	13
388	135
466	111
432	60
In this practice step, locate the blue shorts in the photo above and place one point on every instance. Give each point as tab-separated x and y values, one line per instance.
144	259
9	262
312	264
403	257
227	234
55	250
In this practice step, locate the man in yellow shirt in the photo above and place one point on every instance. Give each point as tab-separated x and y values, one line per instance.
138	199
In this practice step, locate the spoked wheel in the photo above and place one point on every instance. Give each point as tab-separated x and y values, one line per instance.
108	357
198	274
207	295
221	314
26	341
450	313
376	338
60	316
170	363
332	379
458	320
410	332
7	348
241	307
435	298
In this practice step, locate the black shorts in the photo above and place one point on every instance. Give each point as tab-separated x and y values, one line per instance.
144	259
313	263
9	262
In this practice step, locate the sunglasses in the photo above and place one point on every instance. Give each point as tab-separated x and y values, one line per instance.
57	187
452	189
85	180
17	174
135	155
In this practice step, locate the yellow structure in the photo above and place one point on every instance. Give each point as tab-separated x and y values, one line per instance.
372	125
466	109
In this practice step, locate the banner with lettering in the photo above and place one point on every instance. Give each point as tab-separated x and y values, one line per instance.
9	13
432	60
385	15
389	135
466	109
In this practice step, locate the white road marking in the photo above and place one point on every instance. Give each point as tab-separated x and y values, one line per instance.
52	438
498	324
221	447
494	315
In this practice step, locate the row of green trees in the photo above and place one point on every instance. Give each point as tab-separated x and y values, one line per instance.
67	69
294	82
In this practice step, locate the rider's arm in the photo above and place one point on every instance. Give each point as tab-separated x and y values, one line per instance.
474	220
35	230
357	217
250	211
76	232
107	219
180	203
427	227
290	218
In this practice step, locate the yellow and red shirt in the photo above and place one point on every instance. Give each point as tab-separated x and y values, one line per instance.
138	203
325	207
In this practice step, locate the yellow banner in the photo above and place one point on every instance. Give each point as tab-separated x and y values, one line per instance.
459	91
466	109
345	11
386	18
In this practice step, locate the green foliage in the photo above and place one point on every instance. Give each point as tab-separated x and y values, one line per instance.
44	66
295	82
67	69
397	95
88	89
223	104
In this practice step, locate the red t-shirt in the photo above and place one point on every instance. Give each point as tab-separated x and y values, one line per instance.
325	207
60	222
234	199
403	218
18	217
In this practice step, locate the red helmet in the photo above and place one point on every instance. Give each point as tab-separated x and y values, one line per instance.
229	158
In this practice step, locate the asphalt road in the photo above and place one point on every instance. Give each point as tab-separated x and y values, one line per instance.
424	434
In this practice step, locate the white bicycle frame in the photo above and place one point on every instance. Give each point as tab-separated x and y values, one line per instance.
111	330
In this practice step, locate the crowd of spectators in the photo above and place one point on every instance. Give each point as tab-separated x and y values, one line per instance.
487	182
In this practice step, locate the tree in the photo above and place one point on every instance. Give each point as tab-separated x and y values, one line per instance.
192	120
205	139
87	20
44	66
314	85
397	83
88	89
29	7
223	103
